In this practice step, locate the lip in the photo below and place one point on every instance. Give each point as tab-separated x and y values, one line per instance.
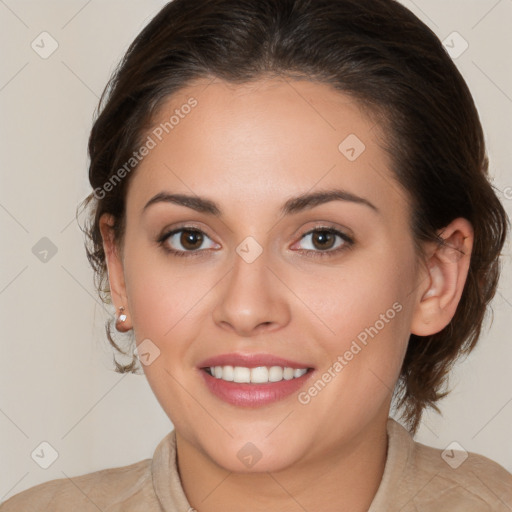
253	395
247	394
251	361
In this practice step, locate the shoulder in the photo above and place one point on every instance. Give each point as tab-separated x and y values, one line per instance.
465	476
95	491
451	479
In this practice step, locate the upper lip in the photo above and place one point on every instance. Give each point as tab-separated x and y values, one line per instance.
250	361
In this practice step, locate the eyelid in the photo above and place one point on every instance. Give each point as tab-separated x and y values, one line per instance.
189	226
348	240
328	227
186	226
343	231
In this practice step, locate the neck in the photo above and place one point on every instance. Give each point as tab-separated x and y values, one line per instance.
343	478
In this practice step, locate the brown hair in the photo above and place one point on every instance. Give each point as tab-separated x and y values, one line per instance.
376	51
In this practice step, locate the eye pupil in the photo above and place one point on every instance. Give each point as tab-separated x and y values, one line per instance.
323	239
191	239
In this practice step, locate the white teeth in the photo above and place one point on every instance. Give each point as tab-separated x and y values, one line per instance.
241	374
258	375
275	374
288	373
228	373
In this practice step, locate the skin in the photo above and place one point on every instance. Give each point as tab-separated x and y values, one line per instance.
250	148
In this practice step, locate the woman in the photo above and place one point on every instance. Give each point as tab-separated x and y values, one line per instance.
292	215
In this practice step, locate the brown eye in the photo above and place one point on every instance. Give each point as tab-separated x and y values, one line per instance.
323	239
191	240
186	241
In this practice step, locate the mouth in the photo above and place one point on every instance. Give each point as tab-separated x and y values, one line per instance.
257	375
253	380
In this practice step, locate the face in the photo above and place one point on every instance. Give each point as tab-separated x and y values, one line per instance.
266	239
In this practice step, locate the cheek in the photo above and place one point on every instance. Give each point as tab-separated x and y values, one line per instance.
355	297
369	314
161	297
366	310
164	305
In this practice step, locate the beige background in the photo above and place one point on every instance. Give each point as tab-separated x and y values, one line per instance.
57	383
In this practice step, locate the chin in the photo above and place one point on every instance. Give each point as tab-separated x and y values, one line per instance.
240	455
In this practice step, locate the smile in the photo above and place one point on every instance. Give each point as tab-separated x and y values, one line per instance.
258	375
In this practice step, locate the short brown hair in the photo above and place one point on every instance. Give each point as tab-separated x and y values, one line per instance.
380	54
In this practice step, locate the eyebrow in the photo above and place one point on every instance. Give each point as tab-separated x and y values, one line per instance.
292	205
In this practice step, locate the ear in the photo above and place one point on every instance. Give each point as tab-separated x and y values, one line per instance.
442	283
113	259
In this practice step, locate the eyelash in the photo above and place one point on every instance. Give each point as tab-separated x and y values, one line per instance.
348	242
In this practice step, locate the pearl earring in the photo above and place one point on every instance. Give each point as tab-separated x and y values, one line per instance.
122	315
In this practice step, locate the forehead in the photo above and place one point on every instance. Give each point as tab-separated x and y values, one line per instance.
263	140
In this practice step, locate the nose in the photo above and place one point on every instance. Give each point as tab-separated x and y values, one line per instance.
251	300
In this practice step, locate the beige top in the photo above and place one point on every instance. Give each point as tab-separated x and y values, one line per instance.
416	478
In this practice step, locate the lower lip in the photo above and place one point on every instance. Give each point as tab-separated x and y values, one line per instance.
253	395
